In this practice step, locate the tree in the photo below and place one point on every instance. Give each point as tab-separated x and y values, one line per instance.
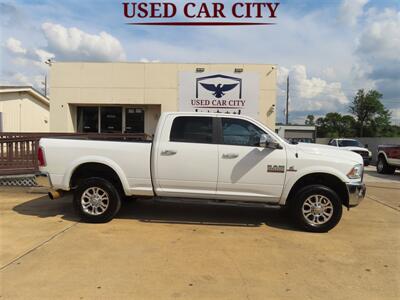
348	124
335	125
369	112
310	120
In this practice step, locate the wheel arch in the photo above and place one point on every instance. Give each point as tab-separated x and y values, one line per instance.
326	179
382	154
95	169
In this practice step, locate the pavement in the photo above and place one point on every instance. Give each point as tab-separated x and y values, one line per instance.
177	251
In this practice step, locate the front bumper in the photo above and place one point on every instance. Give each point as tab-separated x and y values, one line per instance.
356	193
367	161
43	179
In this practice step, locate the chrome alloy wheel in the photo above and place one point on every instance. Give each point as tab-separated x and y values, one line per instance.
95	201
317	209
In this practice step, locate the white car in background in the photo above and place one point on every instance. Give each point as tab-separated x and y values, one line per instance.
355	146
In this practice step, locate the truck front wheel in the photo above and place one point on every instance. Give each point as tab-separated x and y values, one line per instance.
317	208
96	200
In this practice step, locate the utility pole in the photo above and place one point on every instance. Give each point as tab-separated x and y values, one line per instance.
48	62
45	85
287	100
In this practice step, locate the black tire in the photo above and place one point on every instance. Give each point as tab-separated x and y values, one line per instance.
323	223
105	189
382	166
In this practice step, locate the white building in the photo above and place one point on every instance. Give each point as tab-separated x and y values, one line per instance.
23	109
297	133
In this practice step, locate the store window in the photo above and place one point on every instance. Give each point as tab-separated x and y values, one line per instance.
111	119
88	119
134	120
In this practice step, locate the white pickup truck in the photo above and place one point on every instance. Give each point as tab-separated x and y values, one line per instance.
205	157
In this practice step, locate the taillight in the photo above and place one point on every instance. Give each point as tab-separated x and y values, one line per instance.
41	158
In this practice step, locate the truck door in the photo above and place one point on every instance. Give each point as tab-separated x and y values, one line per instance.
187	158
247	171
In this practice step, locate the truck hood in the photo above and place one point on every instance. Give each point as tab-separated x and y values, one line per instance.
329	151
352	148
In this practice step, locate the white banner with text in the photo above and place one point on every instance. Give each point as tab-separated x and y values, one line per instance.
232	93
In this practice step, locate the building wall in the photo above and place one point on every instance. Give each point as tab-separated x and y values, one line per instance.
74	84
21	112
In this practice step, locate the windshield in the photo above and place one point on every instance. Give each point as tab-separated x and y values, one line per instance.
350	143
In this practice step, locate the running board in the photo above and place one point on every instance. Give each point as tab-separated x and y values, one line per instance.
216	202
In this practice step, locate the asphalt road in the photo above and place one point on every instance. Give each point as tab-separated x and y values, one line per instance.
174	251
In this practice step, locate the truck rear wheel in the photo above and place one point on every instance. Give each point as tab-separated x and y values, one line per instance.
382	166
96	200
317	208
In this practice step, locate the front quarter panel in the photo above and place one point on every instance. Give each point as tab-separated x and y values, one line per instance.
303	164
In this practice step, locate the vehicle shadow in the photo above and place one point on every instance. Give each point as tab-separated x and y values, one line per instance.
150	211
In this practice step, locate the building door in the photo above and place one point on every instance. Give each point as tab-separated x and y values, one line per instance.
134	120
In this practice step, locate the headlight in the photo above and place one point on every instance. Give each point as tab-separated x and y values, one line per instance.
355	172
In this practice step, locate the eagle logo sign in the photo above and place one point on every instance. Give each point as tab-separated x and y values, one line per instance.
219	89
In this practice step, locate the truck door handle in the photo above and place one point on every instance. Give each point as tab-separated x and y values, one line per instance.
229	155
168	152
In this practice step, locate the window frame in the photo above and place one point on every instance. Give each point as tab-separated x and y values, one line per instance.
220	138
214	130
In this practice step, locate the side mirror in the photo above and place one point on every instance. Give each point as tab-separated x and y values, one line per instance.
267	142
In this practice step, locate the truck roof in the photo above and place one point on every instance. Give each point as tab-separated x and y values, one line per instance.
192	113
344	139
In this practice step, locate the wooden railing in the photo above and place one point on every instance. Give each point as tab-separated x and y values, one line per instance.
18	151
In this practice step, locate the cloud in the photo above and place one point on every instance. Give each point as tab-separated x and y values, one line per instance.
75	44
395	116
310	93
9	15
43	55
15	46
378	49
350	11
26	64
16	79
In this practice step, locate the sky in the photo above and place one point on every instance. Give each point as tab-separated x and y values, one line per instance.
328	48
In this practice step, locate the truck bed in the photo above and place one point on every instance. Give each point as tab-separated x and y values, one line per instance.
130	159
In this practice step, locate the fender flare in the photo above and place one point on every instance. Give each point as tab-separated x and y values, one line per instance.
289	184
384	155
94	159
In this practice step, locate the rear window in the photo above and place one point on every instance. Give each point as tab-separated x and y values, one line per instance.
192	130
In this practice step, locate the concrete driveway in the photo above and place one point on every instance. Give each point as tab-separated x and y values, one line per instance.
174	251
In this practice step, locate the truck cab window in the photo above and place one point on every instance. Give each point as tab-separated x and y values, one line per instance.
192	130
240	132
